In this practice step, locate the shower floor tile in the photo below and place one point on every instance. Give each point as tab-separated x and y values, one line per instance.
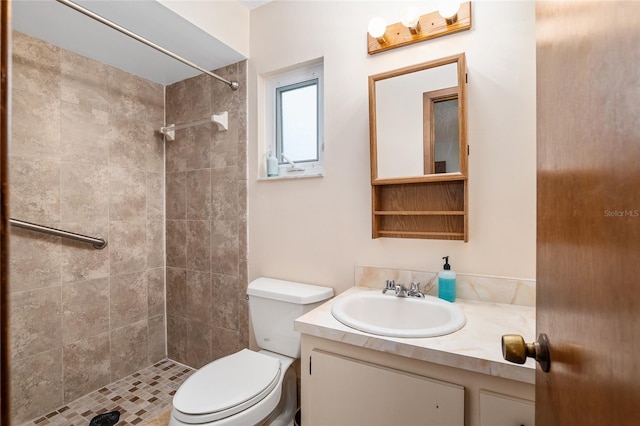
139	397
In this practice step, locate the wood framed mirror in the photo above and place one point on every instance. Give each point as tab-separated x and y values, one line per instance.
418	122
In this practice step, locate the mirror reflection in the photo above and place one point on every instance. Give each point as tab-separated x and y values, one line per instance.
416	120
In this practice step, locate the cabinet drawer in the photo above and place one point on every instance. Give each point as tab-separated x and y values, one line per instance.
505	410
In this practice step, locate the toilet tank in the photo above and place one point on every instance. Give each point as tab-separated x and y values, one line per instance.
275	305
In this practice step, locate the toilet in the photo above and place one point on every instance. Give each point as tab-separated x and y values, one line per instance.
249	387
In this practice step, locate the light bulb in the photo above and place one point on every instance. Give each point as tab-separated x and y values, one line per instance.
377	28
449	10
411	19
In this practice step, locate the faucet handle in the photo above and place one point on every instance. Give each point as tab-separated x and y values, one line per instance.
389	285
415	290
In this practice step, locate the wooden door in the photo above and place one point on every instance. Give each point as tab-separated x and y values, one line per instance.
5	103
588	248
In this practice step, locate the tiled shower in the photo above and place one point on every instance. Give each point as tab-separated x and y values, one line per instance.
86	156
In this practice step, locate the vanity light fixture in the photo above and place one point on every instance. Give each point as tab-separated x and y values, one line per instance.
453	17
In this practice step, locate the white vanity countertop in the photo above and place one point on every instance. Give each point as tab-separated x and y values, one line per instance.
476	347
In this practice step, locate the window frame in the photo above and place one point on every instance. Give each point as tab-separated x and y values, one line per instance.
279	83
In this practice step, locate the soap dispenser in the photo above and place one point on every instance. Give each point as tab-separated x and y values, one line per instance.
447	282
272	165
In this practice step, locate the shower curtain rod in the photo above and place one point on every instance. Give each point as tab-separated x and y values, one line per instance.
233	84
98	243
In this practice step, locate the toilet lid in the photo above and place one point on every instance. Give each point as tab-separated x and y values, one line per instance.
239	380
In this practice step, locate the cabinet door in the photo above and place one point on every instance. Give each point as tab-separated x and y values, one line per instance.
504	410
345	391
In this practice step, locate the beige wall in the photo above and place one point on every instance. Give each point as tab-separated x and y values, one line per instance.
316	230
206	220
86	157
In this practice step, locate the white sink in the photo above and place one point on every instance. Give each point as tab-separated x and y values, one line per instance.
388	315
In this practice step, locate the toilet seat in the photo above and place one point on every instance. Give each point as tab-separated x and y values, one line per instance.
226	386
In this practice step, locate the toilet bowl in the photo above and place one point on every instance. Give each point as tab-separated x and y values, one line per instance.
248	387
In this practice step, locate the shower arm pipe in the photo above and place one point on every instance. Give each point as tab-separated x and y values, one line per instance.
233	84
98	243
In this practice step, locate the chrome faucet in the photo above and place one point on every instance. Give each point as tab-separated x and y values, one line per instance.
401	291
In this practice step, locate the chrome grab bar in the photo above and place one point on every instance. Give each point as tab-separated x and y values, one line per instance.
98	243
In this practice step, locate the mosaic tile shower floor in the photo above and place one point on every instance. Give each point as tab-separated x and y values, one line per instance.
139	398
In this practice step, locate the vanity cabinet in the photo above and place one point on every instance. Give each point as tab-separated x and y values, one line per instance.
350	392
344	384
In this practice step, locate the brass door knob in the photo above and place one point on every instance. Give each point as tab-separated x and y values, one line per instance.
515	350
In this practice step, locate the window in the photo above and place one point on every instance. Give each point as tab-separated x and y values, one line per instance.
295	121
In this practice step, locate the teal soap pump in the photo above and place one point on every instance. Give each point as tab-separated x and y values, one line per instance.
447	282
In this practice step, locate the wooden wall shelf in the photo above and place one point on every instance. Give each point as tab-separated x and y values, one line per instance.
428	210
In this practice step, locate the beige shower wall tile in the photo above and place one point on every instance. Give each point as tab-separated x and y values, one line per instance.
224	247
177	338
189	100
197	141
242	200
199	343
81	261
177	292
176	195
35	321
155	244
35	125
224	99
176	242
36	385
155	281
225	301
129	349
132	93
154	151
224	194
127	146
243	307
157	339
84	82
199	298
155	196
82	193
223	342
127	247
224	146
35	189
199	245
84	133
199	194
87	366
177	151
129	299
127	194
35	66
34	261
85	309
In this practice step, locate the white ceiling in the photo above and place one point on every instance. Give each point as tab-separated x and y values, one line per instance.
252	4
62	26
